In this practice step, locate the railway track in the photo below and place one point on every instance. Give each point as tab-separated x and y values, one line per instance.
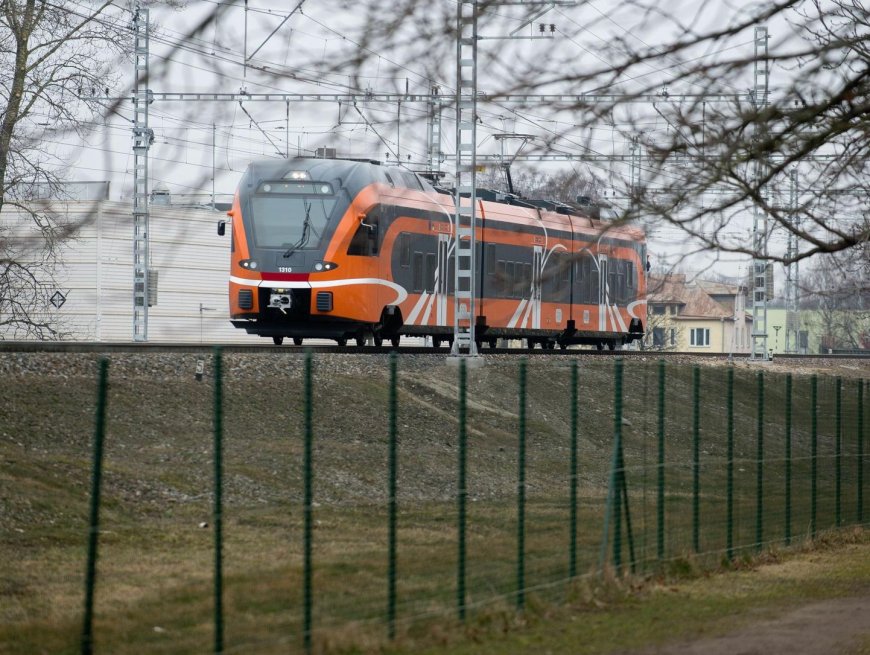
151	347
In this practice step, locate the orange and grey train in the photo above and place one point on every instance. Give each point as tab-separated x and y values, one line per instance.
353	250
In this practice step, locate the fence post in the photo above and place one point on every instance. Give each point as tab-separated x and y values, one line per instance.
94	522
308	500
393	472
759	470
660	503
217	517
461	494
838	456
788	381
814	449
860	504
572	549
729	467
521	493
696	459
617	472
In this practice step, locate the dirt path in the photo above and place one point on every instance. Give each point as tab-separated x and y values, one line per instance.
839	626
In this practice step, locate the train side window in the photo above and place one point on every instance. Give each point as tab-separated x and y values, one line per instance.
431	265
592	288
621	293
489	256
417	271
365	240
578	280
501	278
404	250
564	268
526	282
510	279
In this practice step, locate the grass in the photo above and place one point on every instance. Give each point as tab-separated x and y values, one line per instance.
154	590
615	615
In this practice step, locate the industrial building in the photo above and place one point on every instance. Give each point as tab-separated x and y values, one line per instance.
93	299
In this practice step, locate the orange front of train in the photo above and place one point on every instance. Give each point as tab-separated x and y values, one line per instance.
305	239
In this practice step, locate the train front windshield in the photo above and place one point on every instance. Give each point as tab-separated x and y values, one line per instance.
291	214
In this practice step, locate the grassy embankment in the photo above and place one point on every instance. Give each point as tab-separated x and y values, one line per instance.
155	575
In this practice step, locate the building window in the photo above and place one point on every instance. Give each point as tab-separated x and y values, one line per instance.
700	337
673	337
658	310
658	337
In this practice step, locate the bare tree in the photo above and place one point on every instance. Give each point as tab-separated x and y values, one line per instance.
837	299
559	186
51	55
726	143
680	83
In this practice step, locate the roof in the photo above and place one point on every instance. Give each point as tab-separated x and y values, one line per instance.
719	288
694	298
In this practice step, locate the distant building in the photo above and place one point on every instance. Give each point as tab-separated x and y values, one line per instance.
698	316
94	272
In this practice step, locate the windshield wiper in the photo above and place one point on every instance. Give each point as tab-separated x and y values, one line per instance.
305	228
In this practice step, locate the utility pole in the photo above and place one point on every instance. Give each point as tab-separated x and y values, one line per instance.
142	137
760	264
213	143
467	37
466	183
433	154
634	171
792	299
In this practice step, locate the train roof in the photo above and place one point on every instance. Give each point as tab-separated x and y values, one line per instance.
353	175
350	174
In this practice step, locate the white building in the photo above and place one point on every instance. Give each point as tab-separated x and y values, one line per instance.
94	274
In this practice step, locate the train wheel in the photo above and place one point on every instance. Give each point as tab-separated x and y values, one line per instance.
563	346
360	340
394	341
600	345
611	345
379	340
436	342
277	340
492	343
297	341
530	344
342	342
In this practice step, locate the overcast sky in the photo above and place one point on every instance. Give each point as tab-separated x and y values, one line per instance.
195	139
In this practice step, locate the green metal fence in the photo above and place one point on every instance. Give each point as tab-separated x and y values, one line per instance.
433	499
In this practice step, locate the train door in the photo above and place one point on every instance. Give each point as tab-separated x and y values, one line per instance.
442	278
602	293
537	277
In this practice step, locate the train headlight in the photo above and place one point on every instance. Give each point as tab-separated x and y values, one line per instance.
250	264
297	175
325	266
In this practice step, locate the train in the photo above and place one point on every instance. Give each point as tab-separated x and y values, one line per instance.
356	250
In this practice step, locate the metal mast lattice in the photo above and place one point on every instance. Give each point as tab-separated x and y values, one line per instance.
759	224
792	311
141	143
434	155
466	155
